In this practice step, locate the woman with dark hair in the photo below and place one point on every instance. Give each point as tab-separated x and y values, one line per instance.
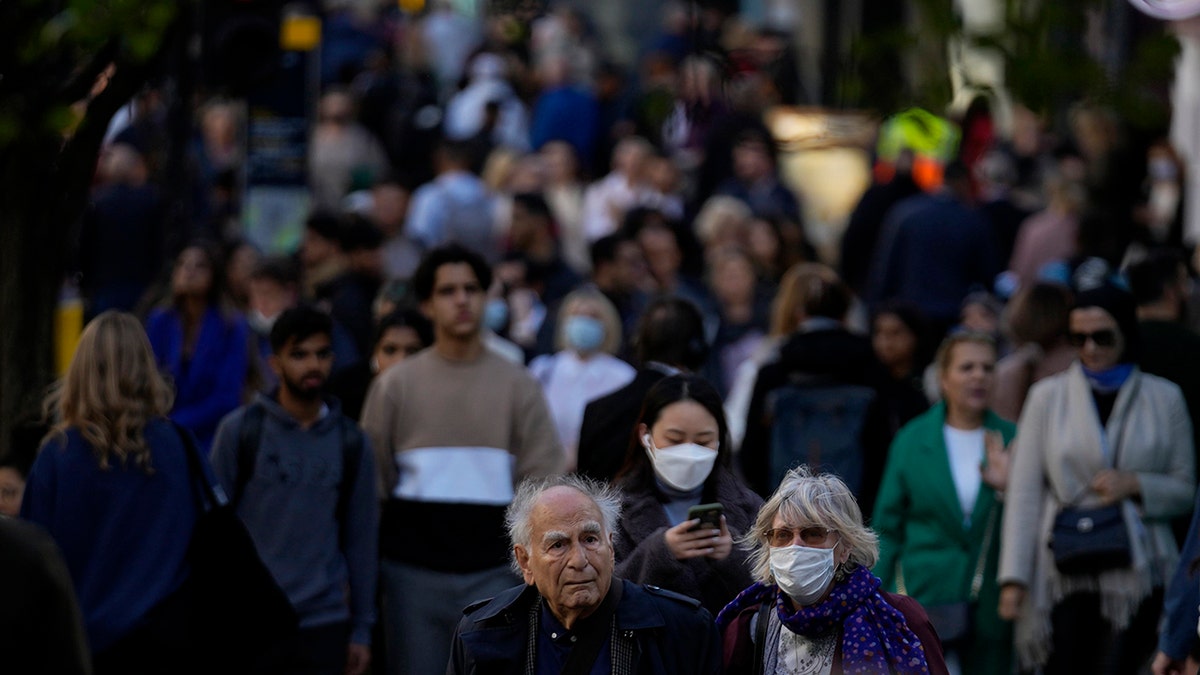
203	347
898	336
680	459
1106	449
1036	322
398	335
112	486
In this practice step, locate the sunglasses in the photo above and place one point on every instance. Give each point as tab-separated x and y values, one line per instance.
1101	338
779	537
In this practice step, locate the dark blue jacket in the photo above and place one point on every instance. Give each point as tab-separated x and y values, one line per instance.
668	633
1181	606
931	253
124	533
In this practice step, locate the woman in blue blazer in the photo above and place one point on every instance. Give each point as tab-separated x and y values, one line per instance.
203	347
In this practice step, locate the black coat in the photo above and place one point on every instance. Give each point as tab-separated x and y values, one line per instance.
667	633
41	628
607	426
837	356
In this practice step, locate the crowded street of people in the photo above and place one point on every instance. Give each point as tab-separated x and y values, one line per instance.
536	336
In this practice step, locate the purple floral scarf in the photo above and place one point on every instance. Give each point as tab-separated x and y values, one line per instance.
875	637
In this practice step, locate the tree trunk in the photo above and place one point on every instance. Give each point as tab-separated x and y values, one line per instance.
44	185
32	255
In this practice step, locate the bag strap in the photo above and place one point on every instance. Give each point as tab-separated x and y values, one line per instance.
977	579
211	496
763	621
249	438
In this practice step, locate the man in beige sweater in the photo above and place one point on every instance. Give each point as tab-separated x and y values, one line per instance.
454	428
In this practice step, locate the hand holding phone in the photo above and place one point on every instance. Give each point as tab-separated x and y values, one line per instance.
707	537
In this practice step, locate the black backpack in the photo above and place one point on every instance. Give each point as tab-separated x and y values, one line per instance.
821	424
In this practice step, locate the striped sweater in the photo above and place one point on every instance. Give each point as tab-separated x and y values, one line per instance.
452	439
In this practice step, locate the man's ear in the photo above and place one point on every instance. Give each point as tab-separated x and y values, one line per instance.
522	557
426	307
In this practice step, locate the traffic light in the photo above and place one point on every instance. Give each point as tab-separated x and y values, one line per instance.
241	43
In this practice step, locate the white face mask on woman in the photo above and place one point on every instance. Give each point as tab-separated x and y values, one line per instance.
683	467
803	572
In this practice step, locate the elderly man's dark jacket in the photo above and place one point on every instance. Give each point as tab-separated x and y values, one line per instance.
658	631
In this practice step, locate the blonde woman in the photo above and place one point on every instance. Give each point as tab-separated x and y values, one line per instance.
111	485
584	368
939	509
814	605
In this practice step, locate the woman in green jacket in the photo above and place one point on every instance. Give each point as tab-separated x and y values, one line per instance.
938	511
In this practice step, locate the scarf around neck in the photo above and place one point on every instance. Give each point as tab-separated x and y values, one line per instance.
1110	379
875	636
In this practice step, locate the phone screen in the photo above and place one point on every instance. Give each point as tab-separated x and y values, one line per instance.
709	515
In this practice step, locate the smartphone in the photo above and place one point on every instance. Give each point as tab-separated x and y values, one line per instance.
709	515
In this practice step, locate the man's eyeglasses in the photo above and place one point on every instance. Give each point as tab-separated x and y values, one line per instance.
779	537
1101	338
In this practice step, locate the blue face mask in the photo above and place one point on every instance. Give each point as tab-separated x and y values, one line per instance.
583	333
495	315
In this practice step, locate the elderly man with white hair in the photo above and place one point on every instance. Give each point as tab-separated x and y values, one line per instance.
572	615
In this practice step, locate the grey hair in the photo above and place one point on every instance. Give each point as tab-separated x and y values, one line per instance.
516	517
806	499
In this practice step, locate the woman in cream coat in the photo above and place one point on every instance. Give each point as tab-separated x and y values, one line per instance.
1072	426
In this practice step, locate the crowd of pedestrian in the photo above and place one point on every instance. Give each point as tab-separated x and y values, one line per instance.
556	382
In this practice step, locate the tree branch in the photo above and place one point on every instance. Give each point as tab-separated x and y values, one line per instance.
77	160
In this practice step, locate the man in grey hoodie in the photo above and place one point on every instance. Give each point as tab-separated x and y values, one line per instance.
303	482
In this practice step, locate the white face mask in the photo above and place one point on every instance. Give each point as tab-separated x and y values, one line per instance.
802	572
683	467
259	322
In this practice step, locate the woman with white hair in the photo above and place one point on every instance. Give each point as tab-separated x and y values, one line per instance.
815	607
584	368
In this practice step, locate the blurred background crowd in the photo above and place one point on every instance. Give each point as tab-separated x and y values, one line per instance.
603	156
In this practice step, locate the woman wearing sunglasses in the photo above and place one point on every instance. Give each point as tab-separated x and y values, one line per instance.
1103	460
937	512
815	607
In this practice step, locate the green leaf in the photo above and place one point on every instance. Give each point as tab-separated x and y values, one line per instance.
143	44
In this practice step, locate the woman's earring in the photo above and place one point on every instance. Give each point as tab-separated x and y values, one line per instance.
842	571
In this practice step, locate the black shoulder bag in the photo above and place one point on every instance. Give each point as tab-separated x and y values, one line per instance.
1091	541
237	610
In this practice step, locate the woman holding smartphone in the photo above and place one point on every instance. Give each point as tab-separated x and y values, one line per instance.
679	460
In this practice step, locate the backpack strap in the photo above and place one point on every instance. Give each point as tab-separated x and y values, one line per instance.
249	438
352	451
